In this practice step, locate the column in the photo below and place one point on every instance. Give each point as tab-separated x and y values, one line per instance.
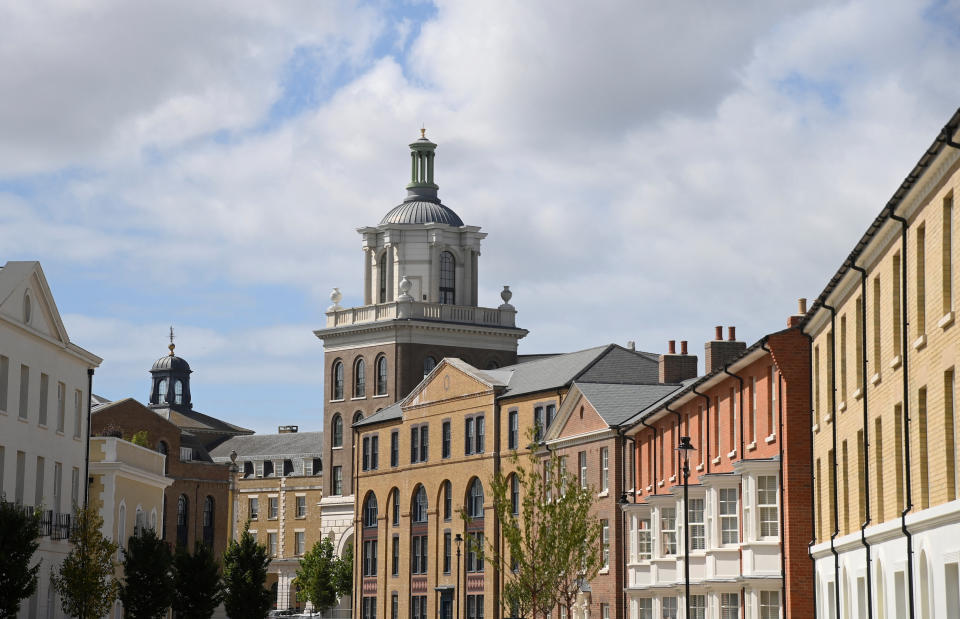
367	266
433	285
388	257
467	298
475	277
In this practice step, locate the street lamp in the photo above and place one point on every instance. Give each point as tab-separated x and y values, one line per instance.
459	540
685	447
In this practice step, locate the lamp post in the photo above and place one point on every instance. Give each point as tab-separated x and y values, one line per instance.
459	540
685	447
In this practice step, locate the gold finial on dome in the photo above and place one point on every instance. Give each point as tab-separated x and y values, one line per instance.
172	345
423	133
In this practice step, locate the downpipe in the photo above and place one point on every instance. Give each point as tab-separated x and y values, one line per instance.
833	469
706	422
866	434
813	480
783	556
653	447
906	409
727	371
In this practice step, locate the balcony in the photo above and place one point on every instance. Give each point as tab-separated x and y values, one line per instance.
419	310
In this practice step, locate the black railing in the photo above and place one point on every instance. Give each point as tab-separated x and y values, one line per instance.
63	525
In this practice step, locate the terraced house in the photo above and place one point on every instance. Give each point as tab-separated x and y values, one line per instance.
424	459
885	428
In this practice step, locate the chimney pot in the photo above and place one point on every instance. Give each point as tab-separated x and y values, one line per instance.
802	305
718	333
631	345
732	334
683	347
672	347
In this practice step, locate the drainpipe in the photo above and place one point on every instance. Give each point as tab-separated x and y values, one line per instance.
727	371
706	421
653	446
833	470
906	406
783	557
813	481
679	431
866	433
86	459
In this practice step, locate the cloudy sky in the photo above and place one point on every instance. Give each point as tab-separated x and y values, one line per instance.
644	170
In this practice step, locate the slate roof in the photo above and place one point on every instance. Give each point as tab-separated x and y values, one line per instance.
276	445
389	413
617	403
198	422
422	212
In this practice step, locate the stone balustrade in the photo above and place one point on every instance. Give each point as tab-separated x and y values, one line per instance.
504	316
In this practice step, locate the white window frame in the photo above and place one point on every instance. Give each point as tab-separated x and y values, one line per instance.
697	527
768	513
729	519
668	535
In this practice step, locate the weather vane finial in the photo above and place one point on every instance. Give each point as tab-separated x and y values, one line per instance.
423	131
172	345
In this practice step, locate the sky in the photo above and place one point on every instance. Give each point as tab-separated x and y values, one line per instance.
644	170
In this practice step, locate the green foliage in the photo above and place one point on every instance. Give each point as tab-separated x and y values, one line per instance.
244	573
317	576
141	438
85	579
344	573
197	580
147	587
551	544
19	535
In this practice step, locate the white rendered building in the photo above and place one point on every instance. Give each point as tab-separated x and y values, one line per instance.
44	389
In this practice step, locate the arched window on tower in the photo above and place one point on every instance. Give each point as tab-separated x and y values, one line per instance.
420	505
448	278
208	522
183	508
382	275
337	431
359	379
475	500
178	392
428	364
337	390
162	391
382	375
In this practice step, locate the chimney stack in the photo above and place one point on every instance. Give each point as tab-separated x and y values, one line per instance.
676	368
793	321
631	345
719	353
287	429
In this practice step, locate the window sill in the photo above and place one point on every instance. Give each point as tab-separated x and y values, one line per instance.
672	479
340	400
42	426
337	448
660	484
770	439
842	406
304	517
604	570
857	394
603	494
699	467
920	342
23	420
716	460
946	321
362	397
875	380
816	427
732	454
895	362
828	418
752	446
381	395
649	488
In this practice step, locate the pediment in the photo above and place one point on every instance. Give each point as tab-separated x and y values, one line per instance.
576	416
25	298
452	378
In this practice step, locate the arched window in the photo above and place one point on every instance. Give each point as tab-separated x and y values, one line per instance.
381	375
183	517
382	275
447	500
357	417
208	521
514	495
475	499
448	278
359	379
370	512
428	364
178	392
26	308
395	519
337	431
420	504
337	391
162	391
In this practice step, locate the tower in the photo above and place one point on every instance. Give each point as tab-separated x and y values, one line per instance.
170	384
421	304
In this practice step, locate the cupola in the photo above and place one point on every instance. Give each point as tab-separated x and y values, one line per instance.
422	206
170	381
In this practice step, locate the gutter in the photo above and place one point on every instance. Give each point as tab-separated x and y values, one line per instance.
706	422
866	433
835	465
906	408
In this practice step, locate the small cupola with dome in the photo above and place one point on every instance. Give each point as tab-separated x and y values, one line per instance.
170	384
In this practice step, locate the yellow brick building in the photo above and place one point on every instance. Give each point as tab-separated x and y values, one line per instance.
884	353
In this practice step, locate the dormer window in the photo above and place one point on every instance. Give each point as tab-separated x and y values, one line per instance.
448	278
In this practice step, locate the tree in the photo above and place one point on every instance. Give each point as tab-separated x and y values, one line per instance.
85	579
244	573
19	535
551	541
141	438
344	571
317	576
147	588
197	582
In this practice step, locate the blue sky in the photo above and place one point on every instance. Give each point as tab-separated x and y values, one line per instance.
644	171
